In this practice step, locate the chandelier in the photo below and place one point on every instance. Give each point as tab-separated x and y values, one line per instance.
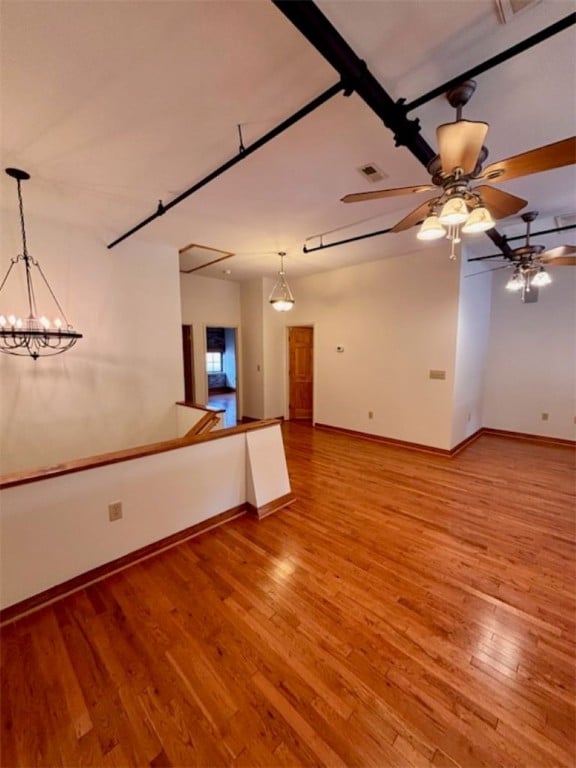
281	297
33	334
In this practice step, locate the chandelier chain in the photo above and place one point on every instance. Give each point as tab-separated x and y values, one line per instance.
29	285
21	206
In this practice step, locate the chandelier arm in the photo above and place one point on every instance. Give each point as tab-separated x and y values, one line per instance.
30	287
6	276
52	294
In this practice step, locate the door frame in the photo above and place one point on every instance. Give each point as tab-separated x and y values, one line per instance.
237	355
188	362
287	369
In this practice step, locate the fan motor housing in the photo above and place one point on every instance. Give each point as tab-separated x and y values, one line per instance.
528	251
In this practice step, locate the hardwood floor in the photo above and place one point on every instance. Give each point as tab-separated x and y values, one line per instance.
406	610
227	402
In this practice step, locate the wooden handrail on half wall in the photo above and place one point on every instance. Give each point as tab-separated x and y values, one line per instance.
56	528
77	465
205	424
193	418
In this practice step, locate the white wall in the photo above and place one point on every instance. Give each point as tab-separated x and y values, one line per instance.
274	356
252	350
531	366
221	303
229	361
208	302
396	319
117	387
266	468
471	350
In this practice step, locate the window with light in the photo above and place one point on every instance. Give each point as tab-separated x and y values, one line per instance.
214	362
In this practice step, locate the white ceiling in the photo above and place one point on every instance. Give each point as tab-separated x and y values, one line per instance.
112	106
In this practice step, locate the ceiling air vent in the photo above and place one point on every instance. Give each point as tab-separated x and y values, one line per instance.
566	220
372	173
507	9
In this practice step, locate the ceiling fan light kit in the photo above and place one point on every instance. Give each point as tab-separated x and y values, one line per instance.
527	281
281	297
33	334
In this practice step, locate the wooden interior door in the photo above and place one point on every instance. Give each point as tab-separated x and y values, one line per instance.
300	373
188	358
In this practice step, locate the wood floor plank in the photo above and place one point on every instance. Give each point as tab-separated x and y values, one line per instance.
407	610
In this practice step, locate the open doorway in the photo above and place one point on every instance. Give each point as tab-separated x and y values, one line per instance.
300	372
221	372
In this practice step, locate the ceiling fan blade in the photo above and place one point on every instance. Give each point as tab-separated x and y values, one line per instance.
459	144
563	255
493	256
564	261
376	194
499	203
414	217
534	161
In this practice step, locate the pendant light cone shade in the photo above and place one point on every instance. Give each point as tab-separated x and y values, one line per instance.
281	297
454	211
431	229
31	333
541	278
516	282
479	220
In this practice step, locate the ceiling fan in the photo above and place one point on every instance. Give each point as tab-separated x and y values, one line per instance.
458	166
528	263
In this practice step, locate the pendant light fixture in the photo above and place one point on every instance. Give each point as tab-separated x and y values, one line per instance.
281	297
32	334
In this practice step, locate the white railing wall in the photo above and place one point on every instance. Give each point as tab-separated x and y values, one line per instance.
57	528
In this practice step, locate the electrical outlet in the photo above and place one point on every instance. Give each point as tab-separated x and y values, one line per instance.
370	414
115	511
544	416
